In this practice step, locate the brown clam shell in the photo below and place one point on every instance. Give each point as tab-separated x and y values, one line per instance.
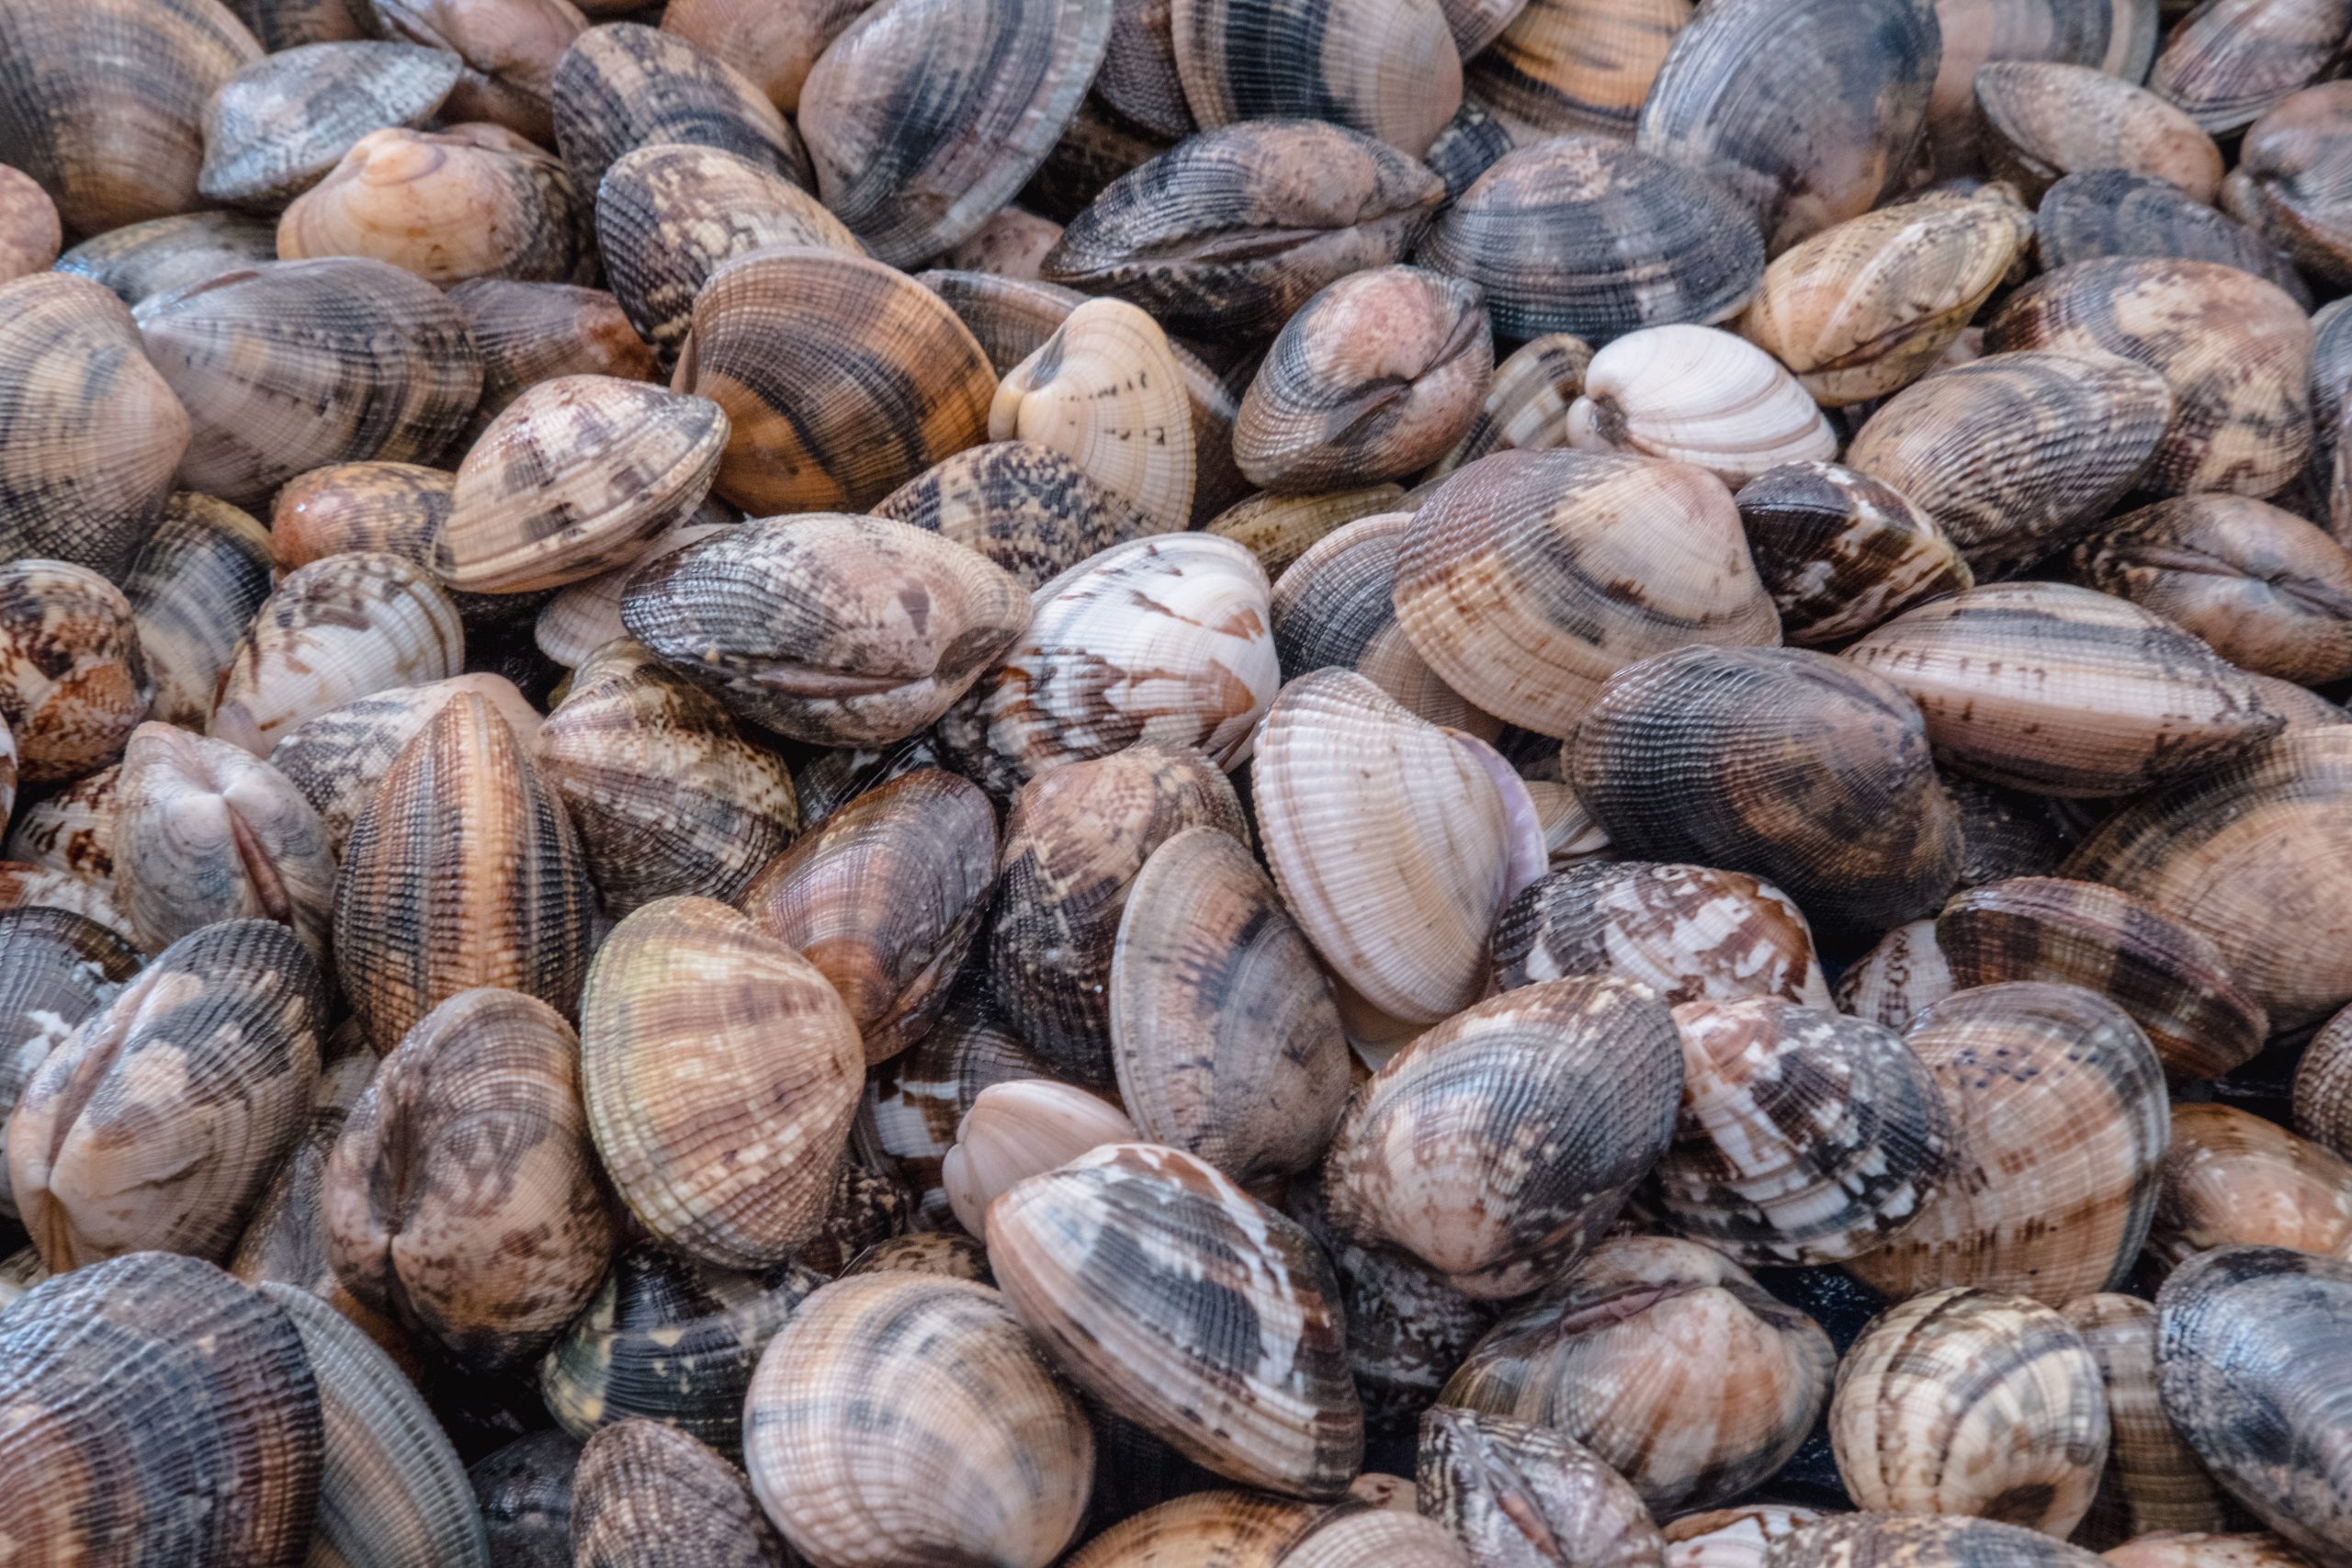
278	126
200	578
2154	1481
1688	932
167	253
1580	66
1914	1540
2044	120
1388	68
2322	1090
1499	1483
449	206
351	508
72	685
773	44
510	48
623	87
530	333
2235	58
70	833
336	758
2118	36
1025	506
1840	551
2232	1179
915	1102
647	1495
30	234
2294	179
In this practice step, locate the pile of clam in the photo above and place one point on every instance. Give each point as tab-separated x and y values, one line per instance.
1175	784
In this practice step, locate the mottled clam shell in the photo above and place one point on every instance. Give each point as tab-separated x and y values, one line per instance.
71	830
337	758
1026	507
289	366
1688	932
2322	1089
1186	1306
1840	551
772	44
924	119
623	87
510	48
1667	1362
30	234
647	1495
1921	1541
1013	242
1517	1492
2114	213
164	1368
1692	394
347	508
57	968
1808	112
2154	1481
1509	581
2044	120
72	685
1104	390
722	1071
2164	706
1966	1401
2204	1549
841	378
885	899
2235	59
2292	178
2171	980
2232	1179
1500	1145
530	333
2118	36
159	1120
24	887
1578	66
1732	1538
2060	1149
1333	608
91	434
475	202
524	1490
196	583
1230	232
570	626
278	127
168	253
1388	68
1781	763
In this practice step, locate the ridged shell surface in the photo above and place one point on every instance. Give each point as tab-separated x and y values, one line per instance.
648	1496
57	968
1688	932
1511	1490
282	123
338	757
1105	390
1025	506
1578	66
1388	68
72	685
199	578
1692	394
625	85
167	253
1840	551
1333	608
2154	1483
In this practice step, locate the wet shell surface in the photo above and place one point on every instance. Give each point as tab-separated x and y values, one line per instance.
1688	932
1388	68
279	125
647	1495
337	758
624	87
1574	65
73	685
2231	1178
1694	395
2043	120
1515	1492
199	578
1105	391
2153	1480
1025	506
1333	609
1840	551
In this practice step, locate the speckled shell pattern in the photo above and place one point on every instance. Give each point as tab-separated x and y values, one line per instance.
528	333
1918	1540
280	124
1503	1486
1188	1307
70	833
1840	551
1025	506
1901	974
396	508
1105	390
73	682
337	758
57	968
647	1495
1690	932
200	578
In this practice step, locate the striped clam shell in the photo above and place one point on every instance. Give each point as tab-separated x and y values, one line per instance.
1388	68
2044	120
2238	58
1690	932
1188	1307
2154	1481
2233	1178
2322	1089
2114	213
1278	529
530	333
624	85
511	48
57	968
1967	1402
1692	394
1737	1537
195	585
1665	1360
167	253
73	683
1500	1145
2059	1152
1139	80
1500	1484
1527	407
1105	391
980	1454
448	206
159	1120
571	625
1840	551
914	1102
279	125
1580	66
338	757
2117	36
1023	505
646	1494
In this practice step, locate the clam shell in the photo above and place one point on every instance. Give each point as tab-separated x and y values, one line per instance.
2169	977
1840	551
2118	36
1221	237
1016	1130
1012	242
162	1368
278	127
337	758
1911	1540
164	254
645	1495
773	45
1694	395
525	1489
159	1120
70	834
2114	213
2232	1179
1584	235
1332	609
1578	66
623	87
1468	146
72	685
1251	1528
57	968
2291	182
1781	763
923	119
89	431
475	202
1500	1145
510	48
1688	932
720	1071
2059	1153
2322	1091
1807	111
1278	529
1964	1401
2201	1548
1666	1360
30	234
2043	120
841	378
1097	146
289	366
570	626
349	508
200	578
1732	1538
1104	390
1139	80
1527	406
943	1253
2235	59
530	333
1024	506
979	1456
1504	1486
2154	1481
915	1102
1184	1306
1507	580
1388	68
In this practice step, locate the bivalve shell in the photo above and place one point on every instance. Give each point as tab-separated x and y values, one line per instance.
2235	58
1921	1541
2233	1178
195	585
338	757
1025	506
1840	551
57	968
167	253
1017	1130
1388	68
2153	1480
1104	390
530	333
70	833
72	685
2294	180
2044	120
1517	1492
647	1495
510	48
449	206
2113	213
1574	65
1333	608
2322	1089
624	85
525	1489
1688	932
1695	395
278	126
1527	407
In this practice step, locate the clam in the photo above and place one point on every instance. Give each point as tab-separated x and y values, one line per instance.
1781	763
1104	391
1695	395
1091	676
289	24
1732	1538
1574	65
30	234
645	1495
2234	59
206	831
1807	112
289	366
530	333
722	1071
1388	68
1865	308
1966	1401
337	758
2006	832
1222	1030
2043	120
2013	455
2154	1481
57	968
1097	146
2059	1151
2291	181
830	629
1840	551
1220	236
2235	349
2168	977
351	508
1249	1529
1139	80
462	1196
914	1104
1527	407
1584	235
623	87
2322	1090
2058	690
89	432
773	45
196	583
524	1490
1805	1136
1688	932
1500	1145
924	119
2202	1548
104	104
1666	1360
391	1489
278	127
343	627
1506	580
1188	1307
152	1390
70	833
72	685
841	378
2250	1358
571	625
510	48
1279	528
1921	1541
885	899
670	1340
1468	146
668	216
2114	213
1015	1130
1333	608
1518	1493
158	1122
1074	841
2233	1178
2117	36
24	887
164	254
1394	844
473	202
946	1254
1026	507
867	1206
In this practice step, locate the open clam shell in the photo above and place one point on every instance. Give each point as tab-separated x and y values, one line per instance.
278	126
200	578
449	206
1840	551
646	1494
2232	1179
624	85
1025	506
1692	394
72	685
1104	390
1688	932
2043	120
2154	1481
1388	68
1333	608
1580	66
